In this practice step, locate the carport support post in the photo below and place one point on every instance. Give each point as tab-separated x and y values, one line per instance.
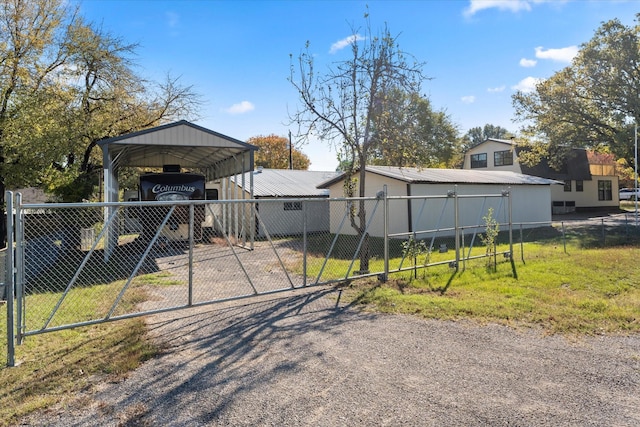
110	176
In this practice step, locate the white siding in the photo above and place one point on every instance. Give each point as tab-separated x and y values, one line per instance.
490	147
280	222
530	204
588	198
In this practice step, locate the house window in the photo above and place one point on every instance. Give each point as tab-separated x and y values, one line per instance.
503	158
479	160
580	185
292	206
604	190
567	185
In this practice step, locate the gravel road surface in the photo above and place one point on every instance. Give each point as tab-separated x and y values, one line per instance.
306	359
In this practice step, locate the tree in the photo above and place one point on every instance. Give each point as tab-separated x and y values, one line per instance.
109	100
91	94
274	153
479	134
64	86
592	103
411	133
29	57
341	105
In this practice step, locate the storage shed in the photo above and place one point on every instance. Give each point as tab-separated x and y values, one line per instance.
287	201
530	198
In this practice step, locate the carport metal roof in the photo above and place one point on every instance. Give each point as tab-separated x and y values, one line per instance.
180	143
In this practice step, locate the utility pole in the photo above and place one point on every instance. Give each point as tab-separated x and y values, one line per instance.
290	152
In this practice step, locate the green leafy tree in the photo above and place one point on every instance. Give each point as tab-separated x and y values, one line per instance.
110	100
411	133
30	57
490	237
274	153
479	134
95	95
593	102
340	106
64	86
413	249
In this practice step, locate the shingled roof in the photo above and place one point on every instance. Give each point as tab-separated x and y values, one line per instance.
575	166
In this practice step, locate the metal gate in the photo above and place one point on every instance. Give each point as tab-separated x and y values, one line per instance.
87	263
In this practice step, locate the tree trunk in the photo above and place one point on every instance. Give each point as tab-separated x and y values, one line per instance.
362	229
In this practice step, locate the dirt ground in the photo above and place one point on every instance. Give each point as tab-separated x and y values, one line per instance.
304	358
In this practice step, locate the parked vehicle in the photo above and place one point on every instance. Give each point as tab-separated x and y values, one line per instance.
629	193
171	186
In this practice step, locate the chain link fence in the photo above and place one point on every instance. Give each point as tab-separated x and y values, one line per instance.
80	264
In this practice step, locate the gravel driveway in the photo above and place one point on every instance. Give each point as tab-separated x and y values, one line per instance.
305	359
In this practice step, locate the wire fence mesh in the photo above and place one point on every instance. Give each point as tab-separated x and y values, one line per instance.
79	264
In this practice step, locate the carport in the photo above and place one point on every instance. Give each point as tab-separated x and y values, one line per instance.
182	143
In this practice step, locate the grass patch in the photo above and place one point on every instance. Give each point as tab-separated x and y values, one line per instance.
52	367
586	291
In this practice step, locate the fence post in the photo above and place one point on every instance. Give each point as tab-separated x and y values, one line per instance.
521	244
510	207
305	211
385	216
18	261
564	238
462	243
9	282
457	226
191	243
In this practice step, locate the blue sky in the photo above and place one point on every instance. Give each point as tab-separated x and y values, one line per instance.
236	54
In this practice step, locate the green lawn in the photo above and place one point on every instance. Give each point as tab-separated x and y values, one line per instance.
582	291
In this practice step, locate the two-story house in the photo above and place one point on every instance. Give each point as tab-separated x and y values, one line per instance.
589	180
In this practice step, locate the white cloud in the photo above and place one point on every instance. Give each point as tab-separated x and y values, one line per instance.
565	54
468	99
341	44
508	5
496	89
528	63
241	108
173	19
527	84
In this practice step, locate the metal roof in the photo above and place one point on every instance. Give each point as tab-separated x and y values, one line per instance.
450	176
503	141
180	143
287	182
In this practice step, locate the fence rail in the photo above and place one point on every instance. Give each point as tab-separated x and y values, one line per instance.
81	264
